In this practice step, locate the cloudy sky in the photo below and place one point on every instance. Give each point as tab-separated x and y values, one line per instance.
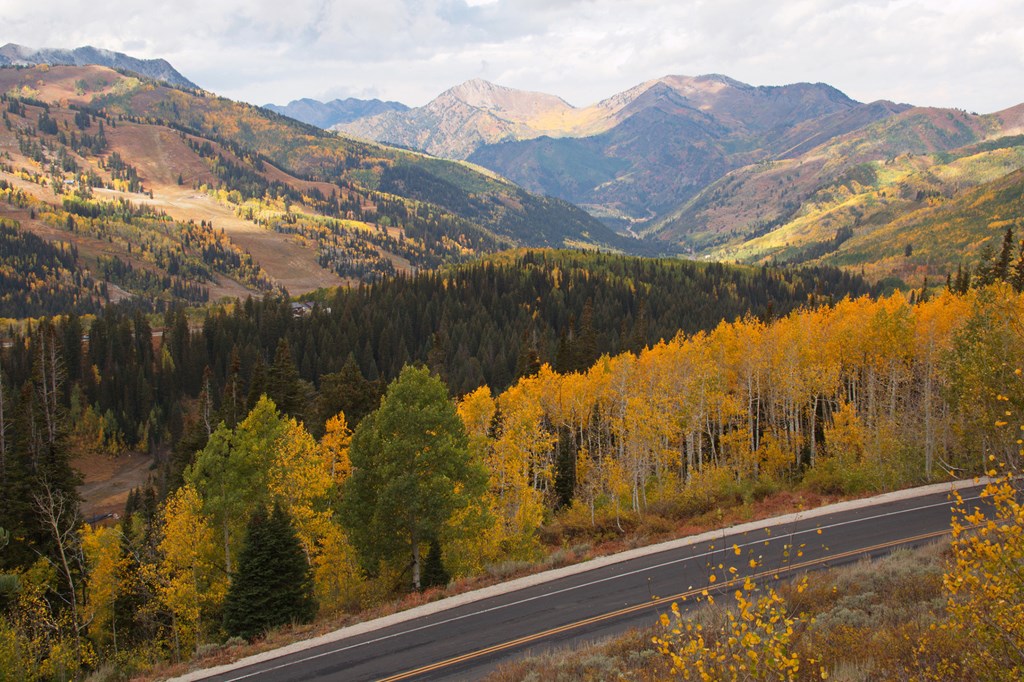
958	53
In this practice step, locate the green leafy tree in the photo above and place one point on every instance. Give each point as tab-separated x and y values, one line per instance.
230	473
273	585
412	473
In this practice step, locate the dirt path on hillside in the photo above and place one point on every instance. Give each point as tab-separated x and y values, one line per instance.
108	480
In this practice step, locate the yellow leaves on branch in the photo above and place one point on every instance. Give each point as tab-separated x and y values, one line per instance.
753	640
985	583
334	447
192	583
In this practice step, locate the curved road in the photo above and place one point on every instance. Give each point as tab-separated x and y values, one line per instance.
468	639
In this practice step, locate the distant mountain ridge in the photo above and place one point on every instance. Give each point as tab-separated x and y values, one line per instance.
468	116
327	114
463	118
157	69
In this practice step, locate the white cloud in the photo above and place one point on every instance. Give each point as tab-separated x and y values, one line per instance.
961	53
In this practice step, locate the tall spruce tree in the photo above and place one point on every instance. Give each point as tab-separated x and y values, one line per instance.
1002	264
283	385
434	572
273	585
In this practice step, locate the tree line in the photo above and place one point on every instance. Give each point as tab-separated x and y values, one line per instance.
862	395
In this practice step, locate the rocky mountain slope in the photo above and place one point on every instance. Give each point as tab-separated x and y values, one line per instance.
632	156
913	195
156	69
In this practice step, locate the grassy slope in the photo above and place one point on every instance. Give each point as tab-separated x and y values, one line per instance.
939	181
308	152
480	211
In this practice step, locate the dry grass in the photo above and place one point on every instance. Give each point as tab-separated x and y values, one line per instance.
862	621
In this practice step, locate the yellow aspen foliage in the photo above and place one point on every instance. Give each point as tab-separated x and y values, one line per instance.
589	481
299	480
985	583
191	581
102	547
334	448
845	436
477	411
337	580
521	468
752	641
468	553
774	463
37	638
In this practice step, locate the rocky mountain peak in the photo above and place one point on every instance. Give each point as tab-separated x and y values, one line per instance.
12	54
503	101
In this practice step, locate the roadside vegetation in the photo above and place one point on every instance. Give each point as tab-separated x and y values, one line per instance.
949	611
858	397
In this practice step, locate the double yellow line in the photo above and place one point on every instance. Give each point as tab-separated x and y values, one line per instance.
660	601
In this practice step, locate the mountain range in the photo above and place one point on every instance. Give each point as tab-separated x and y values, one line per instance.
156	69
720	169
705	166
634	156
335	112
135	174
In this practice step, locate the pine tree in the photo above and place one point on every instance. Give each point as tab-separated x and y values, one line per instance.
434	572
257	383
1002	265
283	385
1017	273
273	585
231	400
986	271
348	391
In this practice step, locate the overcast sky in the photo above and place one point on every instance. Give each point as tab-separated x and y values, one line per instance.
956	53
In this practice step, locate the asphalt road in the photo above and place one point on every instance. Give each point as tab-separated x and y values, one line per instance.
466	642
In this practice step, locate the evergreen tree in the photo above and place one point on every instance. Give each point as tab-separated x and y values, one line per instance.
528	362
986	272
283	385
434	572
1016	277
257	383
1002	265
348	391
962	282
231	401
273	585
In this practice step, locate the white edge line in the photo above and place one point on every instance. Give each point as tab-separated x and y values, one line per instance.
546	576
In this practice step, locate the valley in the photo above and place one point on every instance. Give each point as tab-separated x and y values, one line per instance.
347	371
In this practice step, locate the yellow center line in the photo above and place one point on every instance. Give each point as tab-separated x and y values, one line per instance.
654	603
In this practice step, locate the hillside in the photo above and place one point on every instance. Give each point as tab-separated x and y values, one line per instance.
128	171
313	155
911	196
155	69
631	157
